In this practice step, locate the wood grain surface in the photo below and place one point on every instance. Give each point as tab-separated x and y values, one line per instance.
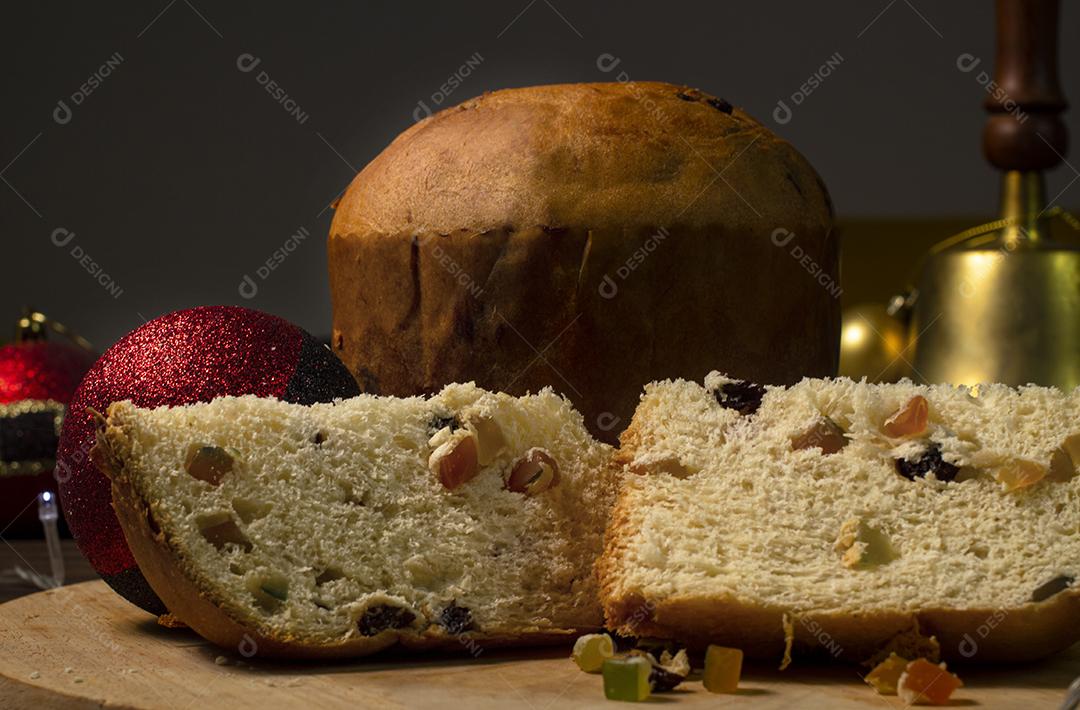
83	646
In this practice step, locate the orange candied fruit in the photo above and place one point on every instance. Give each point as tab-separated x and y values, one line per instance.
1020	473
909	420
885	677
925	683
824	434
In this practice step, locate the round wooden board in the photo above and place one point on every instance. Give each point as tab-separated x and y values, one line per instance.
83	646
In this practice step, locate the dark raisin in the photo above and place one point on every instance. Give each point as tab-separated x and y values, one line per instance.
456	619
927	461
661	679
740	395
719	104
1055	585
685	96
319	438
382	617
439	422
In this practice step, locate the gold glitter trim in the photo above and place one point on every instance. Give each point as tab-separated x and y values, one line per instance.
31	467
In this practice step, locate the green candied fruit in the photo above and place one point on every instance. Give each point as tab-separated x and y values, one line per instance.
591	650
627	678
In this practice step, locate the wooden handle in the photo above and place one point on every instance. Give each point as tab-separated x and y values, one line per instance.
1025	130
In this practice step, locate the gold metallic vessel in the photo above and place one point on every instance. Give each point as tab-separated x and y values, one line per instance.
1000	302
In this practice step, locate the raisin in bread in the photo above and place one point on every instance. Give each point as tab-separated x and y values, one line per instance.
468	518
839	516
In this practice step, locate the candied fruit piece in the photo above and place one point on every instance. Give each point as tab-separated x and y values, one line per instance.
591	650
208	463
885	677
863	546
723	666
924	683
627	678
277	588
929	460
1071	446
455	461
220	530
490	440
679	663
269	592
824	434
909	420
1062	467
740	395
533	473
1019	473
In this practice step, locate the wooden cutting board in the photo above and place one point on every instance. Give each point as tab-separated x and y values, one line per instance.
83	646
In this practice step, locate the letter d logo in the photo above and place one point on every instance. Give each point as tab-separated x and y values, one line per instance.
247	62
248	288
62	237
608	288
968	647
421	111
61	114
781	114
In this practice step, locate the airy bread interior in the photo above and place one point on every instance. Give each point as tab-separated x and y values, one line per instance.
731	510
330	523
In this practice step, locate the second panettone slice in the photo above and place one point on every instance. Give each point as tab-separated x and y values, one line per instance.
339	529
843	517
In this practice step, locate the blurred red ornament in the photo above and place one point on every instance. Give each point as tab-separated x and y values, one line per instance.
37	379
180	358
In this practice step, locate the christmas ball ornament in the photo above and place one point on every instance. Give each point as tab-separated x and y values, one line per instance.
873	344
37	379
180	358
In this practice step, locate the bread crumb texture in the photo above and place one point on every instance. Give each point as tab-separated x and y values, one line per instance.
320	524
975	507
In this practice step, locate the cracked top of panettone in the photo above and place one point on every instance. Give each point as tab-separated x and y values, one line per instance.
595	156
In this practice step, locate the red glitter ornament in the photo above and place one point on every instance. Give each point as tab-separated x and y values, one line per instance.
180	358
37	378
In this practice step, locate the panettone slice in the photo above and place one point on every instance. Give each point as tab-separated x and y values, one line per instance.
467	519
840	516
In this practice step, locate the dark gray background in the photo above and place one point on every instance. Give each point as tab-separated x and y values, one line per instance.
180	174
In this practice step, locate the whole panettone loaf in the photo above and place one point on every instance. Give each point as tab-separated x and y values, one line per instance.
841	516
587	237
465	520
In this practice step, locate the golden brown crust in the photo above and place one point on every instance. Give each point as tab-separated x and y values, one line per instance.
968	635
1022	633
196	607
585	155
581	236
